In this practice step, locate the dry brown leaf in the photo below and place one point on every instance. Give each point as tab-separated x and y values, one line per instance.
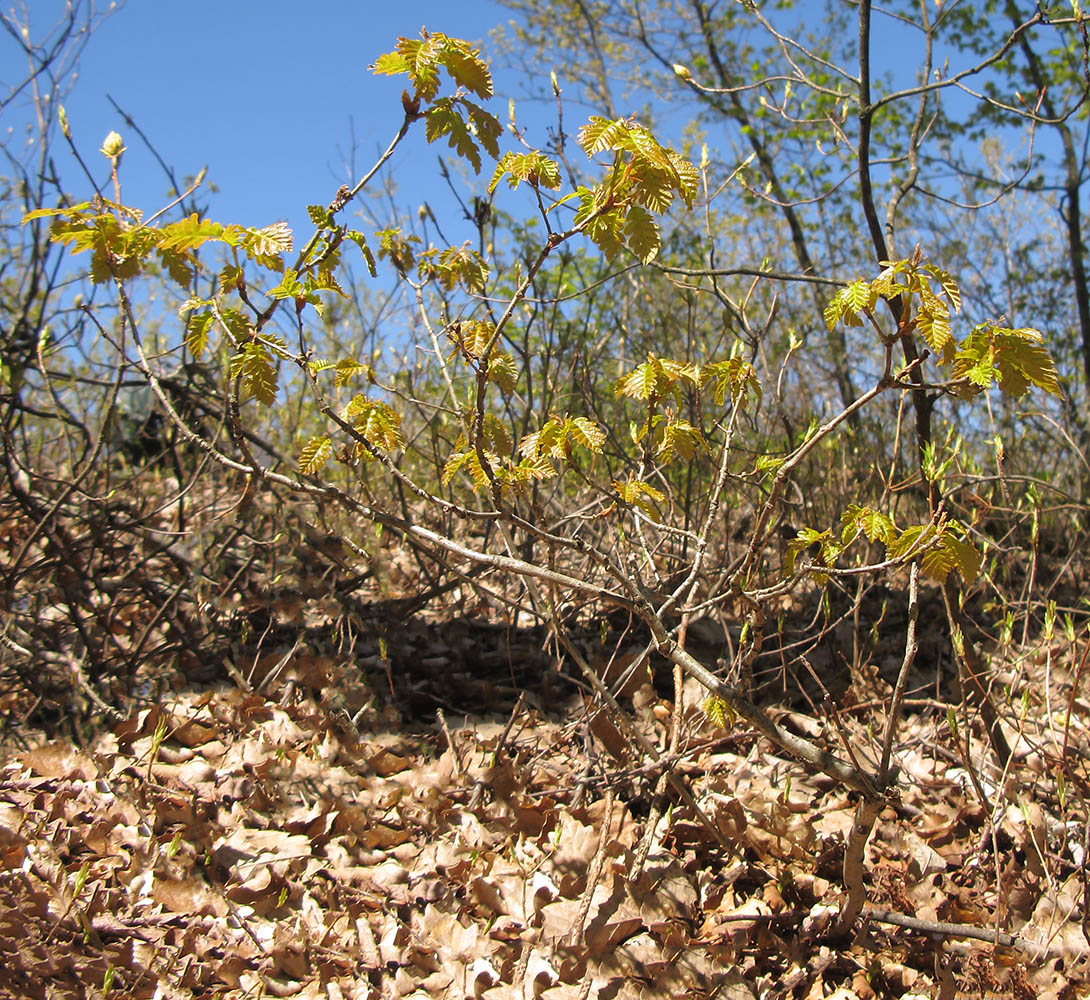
188	897
58	760
614	916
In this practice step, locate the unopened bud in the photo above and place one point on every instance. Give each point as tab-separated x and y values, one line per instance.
62	117
113	146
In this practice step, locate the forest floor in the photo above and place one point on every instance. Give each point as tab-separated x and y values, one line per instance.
294	834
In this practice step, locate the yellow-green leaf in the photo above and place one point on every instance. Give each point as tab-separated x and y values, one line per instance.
314	455
586	433
270	241
255	368
503	370
641	234
196	332
347	369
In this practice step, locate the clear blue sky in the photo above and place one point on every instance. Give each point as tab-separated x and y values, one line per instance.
260	91
263	93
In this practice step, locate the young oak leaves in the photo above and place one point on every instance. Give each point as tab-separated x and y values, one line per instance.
422	58
642	178
990	356
941	548
1015	359
466	125
122	248
666	436
533	168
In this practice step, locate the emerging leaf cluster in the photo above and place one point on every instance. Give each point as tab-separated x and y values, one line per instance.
664	436
1016	359
553	442
121	247
377	429
940	548
498	472
533	168
559	434
644	177
474	341
640	494
422	58
375	421
913	282
1013	359
455	266
719	712
650	173
657	378
451	266
467	125
255	367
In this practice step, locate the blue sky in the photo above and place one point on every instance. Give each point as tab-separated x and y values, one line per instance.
263	92
267	94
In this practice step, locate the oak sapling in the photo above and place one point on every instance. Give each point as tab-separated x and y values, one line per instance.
577	511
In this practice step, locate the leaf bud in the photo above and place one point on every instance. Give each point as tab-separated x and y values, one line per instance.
682	71
62	117
113	146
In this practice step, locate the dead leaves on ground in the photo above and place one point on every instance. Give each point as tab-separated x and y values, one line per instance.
227	845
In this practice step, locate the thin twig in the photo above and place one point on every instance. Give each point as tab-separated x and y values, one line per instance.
482	782
911	646
945	929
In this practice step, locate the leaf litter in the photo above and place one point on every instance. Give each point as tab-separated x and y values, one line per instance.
233	843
